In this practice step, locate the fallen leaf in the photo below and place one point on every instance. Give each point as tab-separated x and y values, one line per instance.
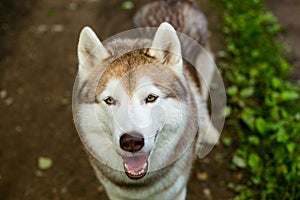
44	163
127	5
207	193
100	188
202	176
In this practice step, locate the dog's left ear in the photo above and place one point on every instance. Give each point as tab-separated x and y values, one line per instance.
166	47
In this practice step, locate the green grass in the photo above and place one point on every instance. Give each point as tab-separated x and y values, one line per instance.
264	104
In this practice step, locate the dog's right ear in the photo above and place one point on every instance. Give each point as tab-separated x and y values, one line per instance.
90	50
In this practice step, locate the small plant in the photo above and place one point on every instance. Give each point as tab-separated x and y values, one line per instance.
264	105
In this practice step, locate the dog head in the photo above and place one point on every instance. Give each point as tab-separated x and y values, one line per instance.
132	99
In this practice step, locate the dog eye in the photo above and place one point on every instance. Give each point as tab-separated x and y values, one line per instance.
110	101
151	98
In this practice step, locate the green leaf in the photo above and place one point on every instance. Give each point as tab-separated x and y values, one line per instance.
289	95
291	147
275	113
256	179
253	72
261	125
222	54
276	82
253	160
65	101
297	117
127	5
227	141
232	90
44	163
248	117
247	92
255	53
239	162
254	140
282	136
227	111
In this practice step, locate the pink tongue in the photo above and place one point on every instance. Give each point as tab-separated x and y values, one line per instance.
136	162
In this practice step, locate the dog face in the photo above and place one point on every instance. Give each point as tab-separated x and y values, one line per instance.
138	114
130	100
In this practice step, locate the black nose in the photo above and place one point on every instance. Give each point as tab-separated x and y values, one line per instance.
132	142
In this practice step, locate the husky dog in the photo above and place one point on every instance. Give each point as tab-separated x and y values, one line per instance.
139	109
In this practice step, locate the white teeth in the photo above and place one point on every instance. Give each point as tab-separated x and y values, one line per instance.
136	173
126	166
144	166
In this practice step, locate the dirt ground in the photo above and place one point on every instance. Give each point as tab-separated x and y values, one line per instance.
38	67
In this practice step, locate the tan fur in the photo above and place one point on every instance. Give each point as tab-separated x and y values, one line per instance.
116	66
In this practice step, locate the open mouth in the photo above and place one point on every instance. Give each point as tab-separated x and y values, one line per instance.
136	167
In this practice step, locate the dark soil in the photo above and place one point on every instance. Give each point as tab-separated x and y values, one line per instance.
38	67
288	15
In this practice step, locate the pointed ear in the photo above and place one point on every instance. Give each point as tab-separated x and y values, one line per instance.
166	47
90	50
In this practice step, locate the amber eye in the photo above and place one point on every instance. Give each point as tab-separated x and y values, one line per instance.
110	101
151	98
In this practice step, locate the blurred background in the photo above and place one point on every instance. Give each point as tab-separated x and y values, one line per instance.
41	156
